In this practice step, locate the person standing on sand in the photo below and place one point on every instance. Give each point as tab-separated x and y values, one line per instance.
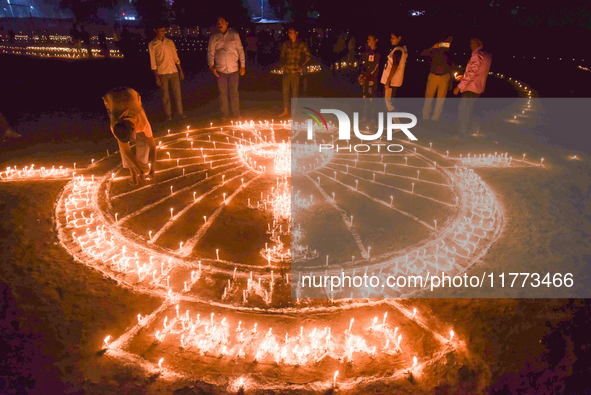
224	53
102	38
75	34
129	123
294	57
167	69
472	84
393	74
368	75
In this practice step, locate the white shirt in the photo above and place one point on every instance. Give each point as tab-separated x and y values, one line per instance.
225	51
476	72
163	56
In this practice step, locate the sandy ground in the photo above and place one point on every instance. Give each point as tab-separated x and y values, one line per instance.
53	310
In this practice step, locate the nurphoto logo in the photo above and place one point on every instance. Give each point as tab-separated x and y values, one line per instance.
392	121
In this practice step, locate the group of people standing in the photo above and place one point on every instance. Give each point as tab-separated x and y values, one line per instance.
226	60
80	37
471	83
128	120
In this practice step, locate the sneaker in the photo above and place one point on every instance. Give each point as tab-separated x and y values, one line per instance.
11	134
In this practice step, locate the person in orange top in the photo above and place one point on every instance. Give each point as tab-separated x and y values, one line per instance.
129	123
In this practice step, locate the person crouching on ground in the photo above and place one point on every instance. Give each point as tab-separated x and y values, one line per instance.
129	123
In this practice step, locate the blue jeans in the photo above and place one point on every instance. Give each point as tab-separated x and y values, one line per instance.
228	85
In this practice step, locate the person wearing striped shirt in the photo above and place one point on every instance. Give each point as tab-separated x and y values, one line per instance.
295	54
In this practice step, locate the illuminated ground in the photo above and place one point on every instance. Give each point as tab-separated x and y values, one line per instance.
100	308
233	312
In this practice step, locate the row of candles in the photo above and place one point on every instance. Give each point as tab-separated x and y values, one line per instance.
57	52
212	335
451	252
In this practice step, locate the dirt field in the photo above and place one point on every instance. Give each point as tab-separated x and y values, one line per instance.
54	310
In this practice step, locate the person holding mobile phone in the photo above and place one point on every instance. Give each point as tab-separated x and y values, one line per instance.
439	77
167	70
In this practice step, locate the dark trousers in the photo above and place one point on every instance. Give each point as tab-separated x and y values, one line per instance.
370	87
171	82
290	80
228	86
465	112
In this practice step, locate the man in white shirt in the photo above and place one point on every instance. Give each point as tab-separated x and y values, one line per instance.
224	52
168	71
472	83
128	122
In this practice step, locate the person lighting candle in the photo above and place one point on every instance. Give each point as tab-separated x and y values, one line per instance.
128	122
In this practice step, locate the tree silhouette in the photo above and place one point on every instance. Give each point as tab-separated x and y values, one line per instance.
190	13
153	12
85	10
